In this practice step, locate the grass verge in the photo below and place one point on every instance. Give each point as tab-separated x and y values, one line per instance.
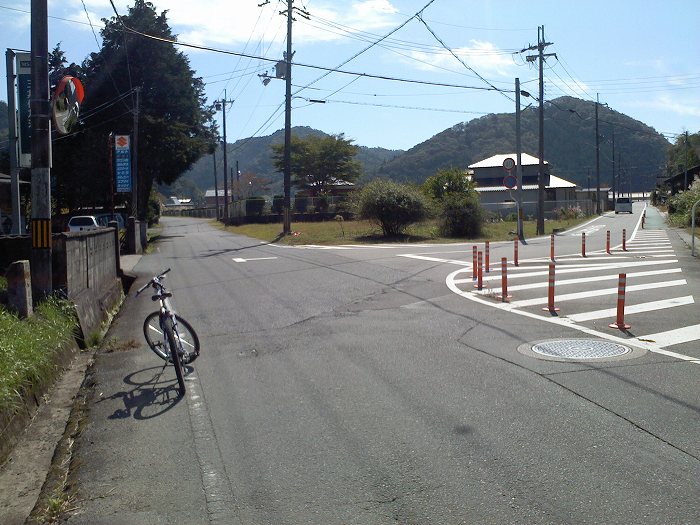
27	348
362	232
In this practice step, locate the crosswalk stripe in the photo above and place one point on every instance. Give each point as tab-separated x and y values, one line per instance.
632	309
580	280
596	293
674	337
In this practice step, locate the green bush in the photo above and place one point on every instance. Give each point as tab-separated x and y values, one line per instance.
461	216
254	206
278	204
392	205
301	204
681	204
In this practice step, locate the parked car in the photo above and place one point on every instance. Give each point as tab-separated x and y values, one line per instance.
80	223
103	219
623	205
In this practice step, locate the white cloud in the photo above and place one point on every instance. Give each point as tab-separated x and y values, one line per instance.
676	105
481	56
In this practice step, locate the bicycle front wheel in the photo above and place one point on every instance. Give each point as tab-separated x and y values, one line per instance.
185	333
176	357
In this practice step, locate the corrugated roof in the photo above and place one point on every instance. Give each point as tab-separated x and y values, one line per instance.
497	161
554	182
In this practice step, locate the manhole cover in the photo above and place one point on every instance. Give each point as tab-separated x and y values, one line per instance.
580	349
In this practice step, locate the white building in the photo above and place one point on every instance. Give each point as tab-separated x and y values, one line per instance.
489	175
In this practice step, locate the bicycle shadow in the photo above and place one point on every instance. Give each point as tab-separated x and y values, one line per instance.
154	392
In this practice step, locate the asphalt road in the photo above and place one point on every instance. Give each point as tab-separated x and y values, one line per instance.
351	385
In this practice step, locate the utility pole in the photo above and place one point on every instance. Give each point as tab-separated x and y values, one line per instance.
518	162
216	186
597	158
221	104
13	142
686	162
287	206
42	276
541	45
616	187
135	168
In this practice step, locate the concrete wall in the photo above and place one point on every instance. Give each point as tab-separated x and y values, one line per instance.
85	268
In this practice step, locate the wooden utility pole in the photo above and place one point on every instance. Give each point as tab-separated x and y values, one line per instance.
287	206
541	45
42	276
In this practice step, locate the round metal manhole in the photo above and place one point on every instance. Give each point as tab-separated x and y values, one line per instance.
578	349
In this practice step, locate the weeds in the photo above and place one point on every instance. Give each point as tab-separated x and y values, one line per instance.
27	348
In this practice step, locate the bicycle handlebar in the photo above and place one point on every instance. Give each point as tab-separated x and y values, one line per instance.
154	281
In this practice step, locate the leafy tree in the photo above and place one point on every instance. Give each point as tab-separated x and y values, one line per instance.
677	153
318	162
446	181
392	205
680	206
175	123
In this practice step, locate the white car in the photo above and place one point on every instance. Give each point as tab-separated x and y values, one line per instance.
81	223
623	205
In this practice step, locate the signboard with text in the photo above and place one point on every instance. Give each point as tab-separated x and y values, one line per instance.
122	163
24	91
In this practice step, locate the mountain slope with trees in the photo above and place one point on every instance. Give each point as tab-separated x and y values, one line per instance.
569	145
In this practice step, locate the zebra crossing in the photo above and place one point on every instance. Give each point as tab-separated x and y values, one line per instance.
585	293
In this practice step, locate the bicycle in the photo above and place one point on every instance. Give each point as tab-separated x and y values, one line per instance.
166	331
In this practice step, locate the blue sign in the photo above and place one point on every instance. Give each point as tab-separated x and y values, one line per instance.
122	163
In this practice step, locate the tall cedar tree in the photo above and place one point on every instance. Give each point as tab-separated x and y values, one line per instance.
175	124
319	162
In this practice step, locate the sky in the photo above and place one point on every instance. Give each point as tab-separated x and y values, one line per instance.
394	73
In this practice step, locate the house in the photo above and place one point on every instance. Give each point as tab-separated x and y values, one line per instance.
210	197
489	176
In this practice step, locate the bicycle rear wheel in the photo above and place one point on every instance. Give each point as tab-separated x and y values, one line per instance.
175	353
155	338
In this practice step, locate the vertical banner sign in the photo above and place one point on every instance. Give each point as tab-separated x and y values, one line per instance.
24	88
122	163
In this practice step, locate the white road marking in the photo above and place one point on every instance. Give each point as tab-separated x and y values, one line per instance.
675	337
632	309
596	293
240	260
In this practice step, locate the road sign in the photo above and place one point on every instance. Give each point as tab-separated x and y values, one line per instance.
122	163
510	181
508	164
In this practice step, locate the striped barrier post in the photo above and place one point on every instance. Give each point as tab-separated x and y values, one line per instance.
583	244
551	247
607	242
624	240
644	216
487	264
620	321
504	281
515	250
480	273
474	263
550	293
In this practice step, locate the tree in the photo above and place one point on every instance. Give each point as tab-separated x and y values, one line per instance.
677	153
175	125
319	162
392	205
458	201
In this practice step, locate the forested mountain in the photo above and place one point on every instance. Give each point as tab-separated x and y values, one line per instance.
254	156
640	152
569	128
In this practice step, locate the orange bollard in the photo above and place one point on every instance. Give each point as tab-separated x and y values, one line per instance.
624	240
620	321
480	273
504	281
515	250
607	242
487	265
551	248
583	244
550	294
474	263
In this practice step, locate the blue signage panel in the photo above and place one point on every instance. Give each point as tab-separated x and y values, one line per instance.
122	163
24	92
